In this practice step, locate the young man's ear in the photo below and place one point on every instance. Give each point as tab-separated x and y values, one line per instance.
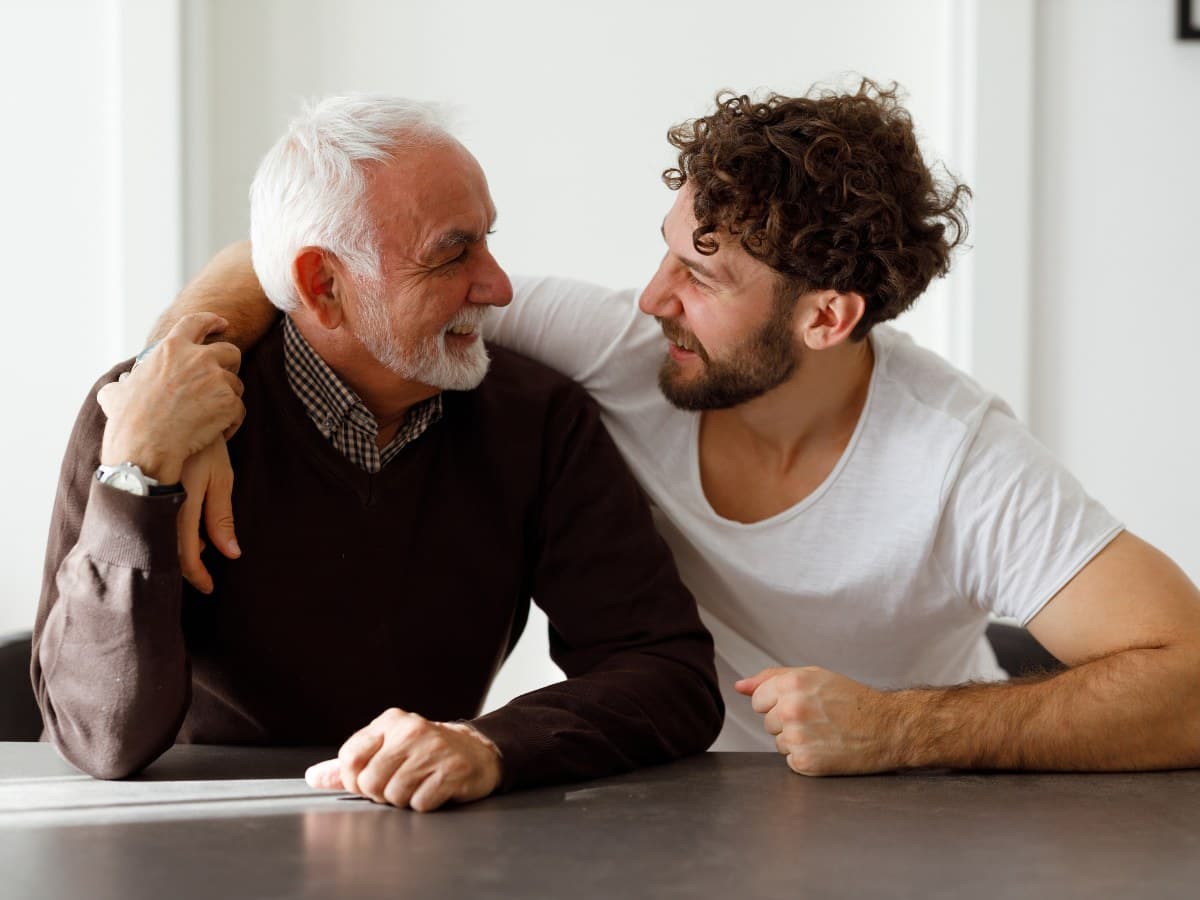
828	318
317	284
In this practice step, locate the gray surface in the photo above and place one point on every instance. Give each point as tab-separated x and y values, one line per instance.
222	822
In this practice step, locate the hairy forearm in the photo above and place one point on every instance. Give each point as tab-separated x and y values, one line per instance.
1137	709
228	287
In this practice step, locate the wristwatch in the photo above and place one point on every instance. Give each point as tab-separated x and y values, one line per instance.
128	477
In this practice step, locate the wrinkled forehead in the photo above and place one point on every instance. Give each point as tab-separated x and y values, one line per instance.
426	192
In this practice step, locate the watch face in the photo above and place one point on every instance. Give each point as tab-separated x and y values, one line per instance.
124	480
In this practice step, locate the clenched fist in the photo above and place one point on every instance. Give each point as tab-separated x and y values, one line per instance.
406	760
825	723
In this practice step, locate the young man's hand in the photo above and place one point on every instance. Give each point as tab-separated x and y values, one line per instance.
824	723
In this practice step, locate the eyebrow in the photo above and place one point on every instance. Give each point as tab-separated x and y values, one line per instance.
458	237
455	238
693	264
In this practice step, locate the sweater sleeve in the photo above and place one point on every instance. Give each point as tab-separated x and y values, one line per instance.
109	668
641	685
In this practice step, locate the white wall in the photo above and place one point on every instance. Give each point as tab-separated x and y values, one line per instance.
1116	309
90	233
58	157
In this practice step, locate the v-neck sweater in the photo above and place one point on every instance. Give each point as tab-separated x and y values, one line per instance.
359	592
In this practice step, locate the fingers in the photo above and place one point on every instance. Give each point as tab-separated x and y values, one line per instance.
225	354
749	685
325	776
238	417
195	327
218	510
432	793
404	735
190	545
356	754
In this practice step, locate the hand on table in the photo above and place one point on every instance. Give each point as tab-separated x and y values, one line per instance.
824	723
405	760
179	400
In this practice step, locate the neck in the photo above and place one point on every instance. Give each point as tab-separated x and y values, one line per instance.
385	394
819	406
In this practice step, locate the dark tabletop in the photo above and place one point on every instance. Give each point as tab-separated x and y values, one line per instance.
219	822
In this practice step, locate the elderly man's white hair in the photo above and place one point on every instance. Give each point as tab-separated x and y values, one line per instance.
308	188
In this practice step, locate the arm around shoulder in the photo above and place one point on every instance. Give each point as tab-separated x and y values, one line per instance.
228	287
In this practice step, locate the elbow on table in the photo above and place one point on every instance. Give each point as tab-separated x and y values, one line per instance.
108	760
103	750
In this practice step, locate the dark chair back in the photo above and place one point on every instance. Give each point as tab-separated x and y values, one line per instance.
1019	652
20	718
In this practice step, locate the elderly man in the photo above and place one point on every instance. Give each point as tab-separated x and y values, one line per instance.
847	507
398	510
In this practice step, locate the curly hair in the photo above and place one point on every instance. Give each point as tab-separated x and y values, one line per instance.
829	190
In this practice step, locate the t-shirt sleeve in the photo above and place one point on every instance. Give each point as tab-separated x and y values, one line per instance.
1016	526
571	326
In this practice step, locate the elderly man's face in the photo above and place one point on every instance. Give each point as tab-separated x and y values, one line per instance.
432	213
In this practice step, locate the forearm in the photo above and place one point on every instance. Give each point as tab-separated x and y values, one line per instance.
228	287
636	709
1137	709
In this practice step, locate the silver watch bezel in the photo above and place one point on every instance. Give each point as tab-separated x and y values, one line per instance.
128	477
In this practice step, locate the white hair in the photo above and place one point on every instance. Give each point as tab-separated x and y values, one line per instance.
308	188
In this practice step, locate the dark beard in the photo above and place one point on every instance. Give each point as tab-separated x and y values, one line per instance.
766	360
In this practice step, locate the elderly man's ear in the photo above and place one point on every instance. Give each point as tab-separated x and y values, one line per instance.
318	284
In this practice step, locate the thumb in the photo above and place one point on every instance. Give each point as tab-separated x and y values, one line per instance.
749	685
325	776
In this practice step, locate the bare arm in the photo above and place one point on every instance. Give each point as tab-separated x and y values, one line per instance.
1128	625
228	287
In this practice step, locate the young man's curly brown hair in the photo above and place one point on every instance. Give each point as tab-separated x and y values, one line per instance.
829	190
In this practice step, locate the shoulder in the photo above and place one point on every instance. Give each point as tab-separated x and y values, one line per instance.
515	381
929	380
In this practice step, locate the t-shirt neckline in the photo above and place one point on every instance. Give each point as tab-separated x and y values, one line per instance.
796	509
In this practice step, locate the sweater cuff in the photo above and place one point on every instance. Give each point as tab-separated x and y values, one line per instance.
123	529
520	747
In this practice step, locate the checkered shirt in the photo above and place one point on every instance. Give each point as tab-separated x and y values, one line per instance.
337	411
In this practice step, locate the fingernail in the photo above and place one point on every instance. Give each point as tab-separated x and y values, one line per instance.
234	548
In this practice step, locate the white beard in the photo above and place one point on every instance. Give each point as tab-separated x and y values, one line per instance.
432	362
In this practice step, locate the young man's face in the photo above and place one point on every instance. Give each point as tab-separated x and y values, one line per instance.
431	212
730	333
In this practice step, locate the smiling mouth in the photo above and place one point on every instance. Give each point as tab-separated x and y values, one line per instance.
679	346
461	330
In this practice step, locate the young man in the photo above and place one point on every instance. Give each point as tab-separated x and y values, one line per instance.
398	510
848	508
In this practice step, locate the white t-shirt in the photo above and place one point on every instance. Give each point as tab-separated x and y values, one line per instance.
942	509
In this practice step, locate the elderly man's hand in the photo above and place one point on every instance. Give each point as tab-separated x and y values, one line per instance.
406	760
183	397
207	478
824	723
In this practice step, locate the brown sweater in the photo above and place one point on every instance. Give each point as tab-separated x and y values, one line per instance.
360	592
